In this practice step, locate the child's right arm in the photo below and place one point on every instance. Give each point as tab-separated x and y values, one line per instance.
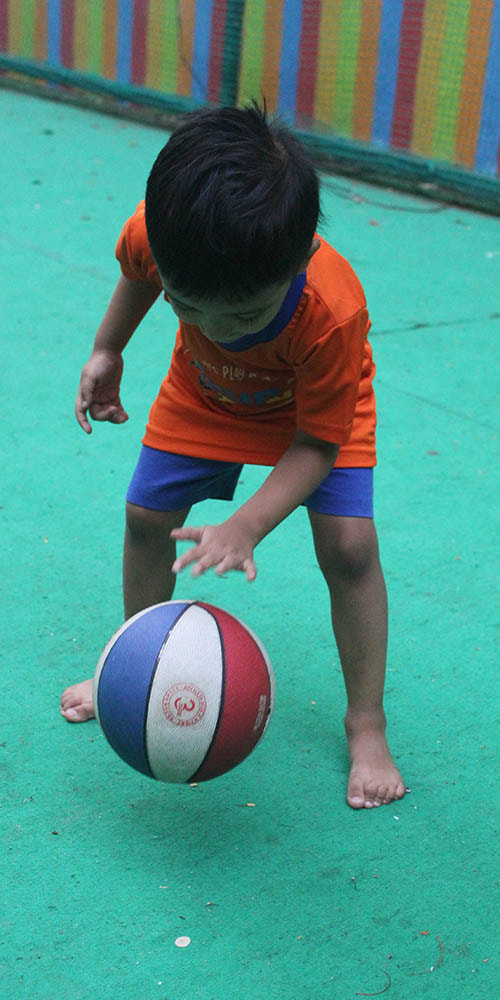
99	390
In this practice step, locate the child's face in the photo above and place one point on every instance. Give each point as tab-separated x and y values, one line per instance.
223	321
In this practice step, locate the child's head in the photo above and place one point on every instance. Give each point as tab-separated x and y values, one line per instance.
232	204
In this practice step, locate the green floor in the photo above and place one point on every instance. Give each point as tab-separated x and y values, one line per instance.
297	897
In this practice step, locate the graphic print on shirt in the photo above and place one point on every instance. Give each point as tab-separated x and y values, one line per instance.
223	393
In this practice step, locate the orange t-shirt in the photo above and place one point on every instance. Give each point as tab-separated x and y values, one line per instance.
243	402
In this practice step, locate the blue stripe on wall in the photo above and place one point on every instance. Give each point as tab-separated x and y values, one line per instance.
54	31
489	134
124	41
289	65
201	49
387	73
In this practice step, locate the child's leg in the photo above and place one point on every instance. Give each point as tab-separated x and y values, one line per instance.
347	551
148	555
147	579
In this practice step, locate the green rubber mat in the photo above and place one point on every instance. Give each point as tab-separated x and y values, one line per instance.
282	889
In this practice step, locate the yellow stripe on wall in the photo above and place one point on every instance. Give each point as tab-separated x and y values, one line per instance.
426	91
81	35
327	61
154	36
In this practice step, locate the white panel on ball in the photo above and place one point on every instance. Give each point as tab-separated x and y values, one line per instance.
190	670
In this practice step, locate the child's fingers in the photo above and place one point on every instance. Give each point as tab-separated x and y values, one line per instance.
187	533
110	412
229	562
250	570
84	401
120	417
186	559
81	407
207	554
191	535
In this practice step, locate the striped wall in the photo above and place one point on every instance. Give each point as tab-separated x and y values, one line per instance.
421	76
185	47
416	75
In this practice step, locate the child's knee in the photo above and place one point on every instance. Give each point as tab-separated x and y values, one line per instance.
349	551
142	523
150	526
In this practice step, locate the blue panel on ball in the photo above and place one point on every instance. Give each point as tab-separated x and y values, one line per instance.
125	682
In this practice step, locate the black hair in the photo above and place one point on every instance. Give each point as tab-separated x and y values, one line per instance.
232	203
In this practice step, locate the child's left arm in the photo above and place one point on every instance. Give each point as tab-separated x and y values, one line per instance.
302	467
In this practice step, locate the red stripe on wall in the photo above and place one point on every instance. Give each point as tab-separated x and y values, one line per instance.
139	42
4	25
219	15
67	33
308	58
409	54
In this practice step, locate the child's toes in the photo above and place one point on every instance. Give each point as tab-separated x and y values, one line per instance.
394	793
381	796
400	790
356	793
76	702
374	795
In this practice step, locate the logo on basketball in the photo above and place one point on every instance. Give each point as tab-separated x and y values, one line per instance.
184	704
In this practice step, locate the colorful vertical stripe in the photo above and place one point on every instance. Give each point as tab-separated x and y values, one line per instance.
428	77
40	31
54	31
289	63
451	71
67	14
345	83
327	61
488	147
364	96
421	76
472	85
308	58
109	25
217	37
273	32
387	73
409	48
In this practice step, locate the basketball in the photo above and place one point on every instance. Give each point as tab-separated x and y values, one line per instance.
183	691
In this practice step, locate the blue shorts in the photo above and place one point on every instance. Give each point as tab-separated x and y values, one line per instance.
165	481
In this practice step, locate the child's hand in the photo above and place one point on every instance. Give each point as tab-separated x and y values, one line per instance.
222	546
99	391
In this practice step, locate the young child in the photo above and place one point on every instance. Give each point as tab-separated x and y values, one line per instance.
271	366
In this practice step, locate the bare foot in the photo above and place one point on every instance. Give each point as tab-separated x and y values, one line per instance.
374	779
76	702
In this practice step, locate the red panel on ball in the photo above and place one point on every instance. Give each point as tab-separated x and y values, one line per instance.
246	698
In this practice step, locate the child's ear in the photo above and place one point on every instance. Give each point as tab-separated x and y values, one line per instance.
315	245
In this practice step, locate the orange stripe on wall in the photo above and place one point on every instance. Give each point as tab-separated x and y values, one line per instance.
471	94
271	61
186	16
366	76
109	38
